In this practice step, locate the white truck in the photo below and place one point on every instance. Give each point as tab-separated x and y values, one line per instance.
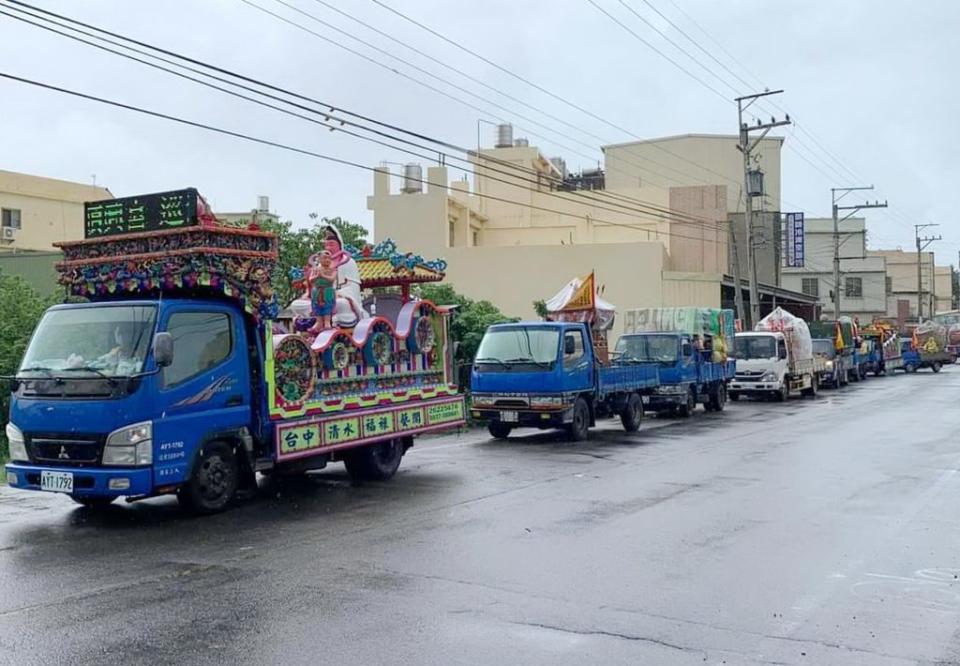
776	360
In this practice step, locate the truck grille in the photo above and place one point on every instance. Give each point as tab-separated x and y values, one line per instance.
66	450
749	374
513	402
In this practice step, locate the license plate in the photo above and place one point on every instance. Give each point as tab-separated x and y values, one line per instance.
509	417
58	482
645	399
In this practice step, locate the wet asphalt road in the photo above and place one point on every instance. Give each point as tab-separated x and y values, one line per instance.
818	532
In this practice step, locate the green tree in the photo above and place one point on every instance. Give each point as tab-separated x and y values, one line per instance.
540	307
296	246
20	310
470	319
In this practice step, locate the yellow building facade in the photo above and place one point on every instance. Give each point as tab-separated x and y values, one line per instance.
36	212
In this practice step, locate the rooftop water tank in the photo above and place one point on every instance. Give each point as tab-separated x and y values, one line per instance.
412	178
504	135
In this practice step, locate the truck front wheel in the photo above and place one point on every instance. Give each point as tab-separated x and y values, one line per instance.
580	426
375	463
213	482
690	405
499	430
632	413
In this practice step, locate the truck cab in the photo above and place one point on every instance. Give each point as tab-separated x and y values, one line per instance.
688	375
120	398
833	372
547	375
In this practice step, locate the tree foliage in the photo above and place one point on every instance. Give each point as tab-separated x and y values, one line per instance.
540	307
20	310
470	319
296	246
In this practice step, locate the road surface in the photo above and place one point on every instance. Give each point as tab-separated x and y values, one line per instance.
818	532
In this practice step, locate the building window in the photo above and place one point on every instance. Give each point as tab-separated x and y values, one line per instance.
10	218
854	287
476	239
889	283
810	286
451	236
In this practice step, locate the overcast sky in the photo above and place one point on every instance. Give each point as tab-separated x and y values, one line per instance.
872	82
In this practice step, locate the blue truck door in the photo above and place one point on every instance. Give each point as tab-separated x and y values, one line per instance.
205	390
578	364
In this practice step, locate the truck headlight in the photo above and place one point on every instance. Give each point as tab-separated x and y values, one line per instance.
769	377
18	446
829	365
545	401
131	445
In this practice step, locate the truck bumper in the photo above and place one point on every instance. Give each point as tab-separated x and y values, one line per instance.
525	419
87	482
657	402
753	387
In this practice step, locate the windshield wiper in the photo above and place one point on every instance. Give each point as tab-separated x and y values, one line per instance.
38	368
489	359
97	371
528	359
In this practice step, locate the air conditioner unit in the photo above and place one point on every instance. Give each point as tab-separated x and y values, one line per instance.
10	233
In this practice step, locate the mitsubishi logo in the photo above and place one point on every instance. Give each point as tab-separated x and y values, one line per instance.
63	454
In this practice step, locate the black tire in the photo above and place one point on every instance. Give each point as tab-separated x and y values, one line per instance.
784	393
214	480
734	396
499	430
689	407
843	379
377	462
580	427
94	503
935	366
812	391
632	413
910	368
718	398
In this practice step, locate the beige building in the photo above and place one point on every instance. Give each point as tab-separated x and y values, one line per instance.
257	215
36	212
524	227
935	284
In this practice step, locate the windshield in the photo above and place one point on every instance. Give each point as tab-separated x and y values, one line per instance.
755	347
648	348
519	345
825	347
86	342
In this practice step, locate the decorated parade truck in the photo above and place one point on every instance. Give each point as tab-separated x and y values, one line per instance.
558	373
776	359
884	348
690	347
172	370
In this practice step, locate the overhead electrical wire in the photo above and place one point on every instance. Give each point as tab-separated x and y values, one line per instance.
323	156
648	209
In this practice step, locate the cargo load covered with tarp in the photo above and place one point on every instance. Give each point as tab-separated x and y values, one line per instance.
794	329
579	301
842	332
930	338
714	325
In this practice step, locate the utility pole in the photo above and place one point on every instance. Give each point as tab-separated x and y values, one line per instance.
746	146
922	244
836	234
737	288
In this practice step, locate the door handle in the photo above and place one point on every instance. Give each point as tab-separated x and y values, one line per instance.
234	400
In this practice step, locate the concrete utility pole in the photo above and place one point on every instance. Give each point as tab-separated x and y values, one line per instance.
836	234
922	244
746	146
737	288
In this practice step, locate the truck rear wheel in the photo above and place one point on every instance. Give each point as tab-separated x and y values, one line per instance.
718	398
812	391
632	413
213	482
935	366
378	462
499	430
580	427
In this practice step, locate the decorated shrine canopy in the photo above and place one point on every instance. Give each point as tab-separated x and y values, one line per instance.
578	301
194	256
381	265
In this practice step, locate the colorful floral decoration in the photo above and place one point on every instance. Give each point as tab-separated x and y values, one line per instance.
293	368
235	262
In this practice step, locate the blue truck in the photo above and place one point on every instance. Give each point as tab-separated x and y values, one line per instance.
548	375
914	360
178	375
688	375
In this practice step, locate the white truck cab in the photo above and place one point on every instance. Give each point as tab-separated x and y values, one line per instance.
766	367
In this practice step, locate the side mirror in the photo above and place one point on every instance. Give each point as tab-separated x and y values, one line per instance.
163	349
782	353
687	349
569	345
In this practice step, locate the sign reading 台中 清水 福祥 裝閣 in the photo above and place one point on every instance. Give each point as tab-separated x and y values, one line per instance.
147	212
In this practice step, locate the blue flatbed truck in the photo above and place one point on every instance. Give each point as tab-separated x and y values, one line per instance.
688	376
178	377
547	375
913	360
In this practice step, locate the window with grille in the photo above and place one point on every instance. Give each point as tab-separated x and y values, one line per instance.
810	286
854	287
10	218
